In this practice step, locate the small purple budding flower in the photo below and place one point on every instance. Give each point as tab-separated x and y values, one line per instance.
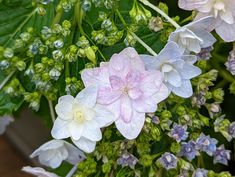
221	155
231	129
230	64
207	144
179	133
189	150
200	173
127	159
205	53
168	161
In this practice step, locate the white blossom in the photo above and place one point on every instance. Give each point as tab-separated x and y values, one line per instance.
4	122
81	119
38	172
176	67
222	10
194	36
54	152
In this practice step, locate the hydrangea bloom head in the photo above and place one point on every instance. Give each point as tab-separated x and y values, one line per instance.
81	119
222	10
168	161
179	132
176	67
221	155
127	89
54	152
194	36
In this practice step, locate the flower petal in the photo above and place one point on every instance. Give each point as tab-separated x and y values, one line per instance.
173	77
60	129
64	107
131	129
226	31
75	155
75	130
126	109
87	96
91	131
185	90
107	95
103	116
116	82
84	144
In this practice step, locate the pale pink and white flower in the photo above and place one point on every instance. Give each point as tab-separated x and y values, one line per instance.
81	119
53	152
222	10
127	89
38	172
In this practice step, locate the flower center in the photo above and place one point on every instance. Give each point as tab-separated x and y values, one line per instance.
78	116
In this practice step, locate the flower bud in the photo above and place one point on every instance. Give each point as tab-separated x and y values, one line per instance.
8	53
155	24
21	65
57	55
4	64
66	24
90	54
54	74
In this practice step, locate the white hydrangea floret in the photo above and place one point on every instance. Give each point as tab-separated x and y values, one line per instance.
194	36
81	119
176	67
54	152
38	172
4	122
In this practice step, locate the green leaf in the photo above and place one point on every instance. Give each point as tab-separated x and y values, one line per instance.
9	105
16	16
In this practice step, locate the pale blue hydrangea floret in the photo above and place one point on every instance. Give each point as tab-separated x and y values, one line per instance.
179	132
127	159
207	144
189	150
194	36
200	172
221	155
176	67
168	161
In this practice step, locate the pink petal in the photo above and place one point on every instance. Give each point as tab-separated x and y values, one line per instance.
116	82
95	76
131	129
133	79
107	95
135	93
126	109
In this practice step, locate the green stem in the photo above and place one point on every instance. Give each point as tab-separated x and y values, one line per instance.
20	27
52	112
72	171
149	49
59	13
6	80
169	19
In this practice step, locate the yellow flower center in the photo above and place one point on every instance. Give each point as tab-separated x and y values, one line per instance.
78	116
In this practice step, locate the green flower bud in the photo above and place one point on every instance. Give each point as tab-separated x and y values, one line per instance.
57	55
41	11
146	160
175	147
166	114
106	167
185	165
163	7
90	54
8	53
19	43
218	95
21	65
232	88
57	28
224	174
155	24
181	110
25	36
89	65
66	24
39	67
45	77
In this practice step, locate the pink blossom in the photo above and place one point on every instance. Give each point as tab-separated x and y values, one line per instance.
127	89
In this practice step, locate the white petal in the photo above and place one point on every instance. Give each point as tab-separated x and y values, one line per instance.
64	107
132	129
103	116
39	172
60	129
91	131
87	96
208	38
84	144
75	130
185	90
190	71
227	16
174	78
75	155
226	31
148	61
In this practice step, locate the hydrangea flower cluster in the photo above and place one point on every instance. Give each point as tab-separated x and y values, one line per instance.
121	110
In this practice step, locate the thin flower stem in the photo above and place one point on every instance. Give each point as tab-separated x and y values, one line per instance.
72	171
6	80
51	110
149	49
169	19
